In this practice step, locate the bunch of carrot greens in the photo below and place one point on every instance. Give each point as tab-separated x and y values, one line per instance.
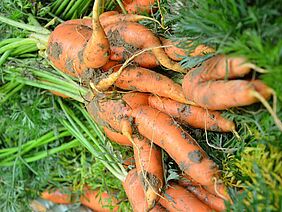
204	30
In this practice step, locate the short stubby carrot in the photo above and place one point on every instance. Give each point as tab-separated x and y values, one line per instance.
97	201
136	99
117	137
161	129
135	192
145	80
148	160
57	196
196	117
177	198
136	35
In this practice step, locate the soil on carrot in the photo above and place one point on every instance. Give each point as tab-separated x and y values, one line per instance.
55	50
69	65
152	179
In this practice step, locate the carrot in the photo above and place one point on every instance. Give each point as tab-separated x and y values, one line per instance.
96	52
134	34
57	196
179	199
196	117
158	208
98	202
138	6
135	99
135	192
145	80
117	137
163	131
206	85
109	65
148	160
146	59
56	93
73	46
177	53
209	199
128	162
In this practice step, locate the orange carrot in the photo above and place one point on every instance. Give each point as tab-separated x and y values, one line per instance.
161	129
128	162
57	196
202	194
196	117
135	192
148	160
117	137
146	59
97	51
177	53
134	34
98	202
206	86
56	93
145	80
136	99
138	6
179	199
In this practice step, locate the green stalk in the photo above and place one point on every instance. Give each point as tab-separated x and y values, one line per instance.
43	154
55	5
9	40
11	93
24	41
28	27
32	20
24	49
73	9
61	8
8	86
67	9
36	145
121	7
4	57
85	7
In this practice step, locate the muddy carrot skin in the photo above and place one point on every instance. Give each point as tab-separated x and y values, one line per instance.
177	198
140	37
148	160
196	117
205	85
161	129
134	191
145	80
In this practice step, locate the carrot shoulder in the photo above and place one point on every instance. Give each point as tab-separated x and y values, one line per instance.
163	131
196	117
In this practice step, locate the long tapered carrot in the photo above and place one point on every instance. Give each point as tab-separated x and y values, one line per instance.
145	80
137	35
161	129
135	192
209	87
202	194
194	116
179	199
148	160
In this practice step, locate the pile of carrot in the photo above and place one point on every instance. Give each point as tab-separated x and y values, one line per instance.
138	107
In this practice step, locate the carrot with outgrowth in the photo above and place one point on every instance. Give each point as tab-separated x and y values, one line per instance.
145	80
148	160
177	198
205	85
196	117
134	34
161	129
